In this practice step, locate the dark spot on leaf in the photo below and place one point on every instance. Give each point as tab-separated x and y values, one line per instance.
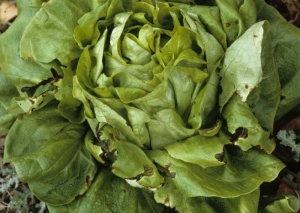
148	170
219	156
31	90
31	101
173	174
227	24
167	166
271	136
237	21
282	97
240	132
55	74
246	86
21	116
88	181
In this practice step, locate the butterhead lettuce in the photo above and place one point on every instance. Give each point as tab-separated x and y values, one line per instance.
130	106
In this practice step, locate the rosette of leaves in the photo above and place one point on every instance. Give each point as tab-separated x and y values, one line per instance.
130	106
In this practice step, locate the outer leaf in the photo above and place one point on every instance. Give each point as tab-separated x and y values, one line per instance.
193	180
6	121
285	42
22	4
239	117
109	193
199	150
241	71
48	153
267	12
59	41
265	98
22	74
169	195
289	203
7	91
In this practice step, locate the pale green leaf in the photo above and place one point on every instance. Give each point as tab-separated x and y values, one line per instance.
225	181
242	70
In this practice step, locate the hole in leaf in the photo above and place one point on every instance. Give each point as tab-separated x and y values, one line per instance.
219	156
88	181
240	132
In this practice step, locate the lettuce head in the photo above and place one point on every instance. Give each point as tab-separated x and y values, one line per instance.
134	105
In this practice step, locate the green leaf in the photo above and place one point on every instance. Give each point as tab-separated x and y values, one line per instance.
7	90
170	196
286	46
166	128
287	203
244	126
6	121
22	4
210	17
232	22
69	107
23	74
115	151
49	154
242	70
285	43
109	193
264	99
204	105
200	150
267	12
59	41
248	13
225	181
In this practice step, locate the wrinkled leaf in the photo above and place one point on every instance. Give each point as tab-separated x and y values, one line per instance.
245	127
169	196
193	180
241	71
116	196
47	151
58	41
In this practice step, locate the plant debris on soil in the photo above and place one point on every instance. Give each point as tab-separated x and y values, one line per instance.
15	197
8	12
